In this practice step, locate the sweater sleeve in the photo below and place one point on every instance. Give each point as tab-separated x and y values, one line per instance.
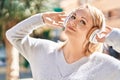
19	37
113	39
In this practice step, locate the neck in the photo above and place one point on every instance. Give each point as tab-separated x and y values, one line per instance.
73	51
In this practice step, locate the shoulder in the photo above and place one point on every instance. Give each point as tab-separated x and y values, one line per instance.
106	63
99	67
104	58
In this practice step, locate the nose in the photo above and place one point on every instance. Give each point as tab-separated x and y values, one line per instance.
73	22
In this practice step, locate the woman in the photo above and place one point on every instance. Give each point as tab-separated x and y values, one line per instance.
76	58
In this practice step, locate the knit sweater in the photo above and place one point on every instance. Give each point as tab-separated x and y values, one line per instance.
48	63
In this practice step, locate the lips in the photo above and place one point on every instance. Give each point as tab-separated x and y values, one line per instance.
71	28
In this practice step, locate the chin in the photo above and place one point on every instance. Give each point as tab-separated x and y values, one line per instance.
69	33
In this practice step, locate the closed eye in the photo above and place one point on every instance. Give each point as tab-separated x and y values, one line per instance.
82	22
73	17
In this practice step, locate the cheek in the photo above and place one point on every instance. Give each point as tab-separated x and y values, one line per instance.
83	32
82	29
69	22
85	29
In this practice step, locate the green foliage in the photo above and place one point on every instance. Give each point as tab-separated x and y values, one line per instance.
0	33
44	35
11	10
20	9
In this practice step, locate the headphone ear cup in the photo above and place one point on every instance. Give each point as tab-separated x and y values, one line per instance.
66	20
92	37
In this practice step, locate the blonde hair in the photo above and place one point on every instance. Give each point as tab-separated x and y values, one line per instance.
97	17
98	23
98	20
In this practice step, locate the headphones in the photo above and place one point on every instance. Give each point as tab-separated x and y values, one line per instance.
93	35
66	19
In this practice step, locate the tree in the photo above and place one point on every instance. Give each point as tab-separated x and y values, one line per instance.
11	12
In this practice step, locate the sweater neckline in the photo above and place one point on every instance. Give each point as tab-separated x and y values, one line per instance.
80	61
66	68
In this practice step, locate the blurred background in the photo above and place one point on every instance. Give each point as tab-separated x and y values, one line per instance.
12	65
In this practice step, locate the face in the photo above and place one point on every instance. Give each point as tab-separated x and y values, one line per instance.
79	24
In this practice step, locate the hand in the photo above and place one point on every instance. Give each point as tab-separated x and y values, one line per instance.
102	36
54	19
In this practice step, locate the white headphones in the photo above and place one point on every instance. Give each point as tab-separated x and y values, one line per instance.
66	19
92	37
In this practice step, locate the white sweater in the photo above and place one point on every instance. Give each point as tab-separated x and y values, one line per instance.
47	63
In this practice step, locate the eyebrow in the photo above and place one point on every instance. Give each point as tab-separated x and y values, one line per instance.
84	18
81	17
74	13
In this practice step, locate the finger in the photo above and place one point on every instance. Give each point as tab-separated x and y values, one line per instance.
57	24
54	23
101	35
63	16
102	39
60	22
49	19
108	28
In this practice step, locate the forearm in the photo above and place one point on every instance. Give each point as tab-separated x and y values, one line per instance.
113	39
19	31
18	35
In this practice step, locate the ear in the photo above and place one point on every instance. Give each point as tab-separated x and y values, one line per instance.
92	37
103	34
